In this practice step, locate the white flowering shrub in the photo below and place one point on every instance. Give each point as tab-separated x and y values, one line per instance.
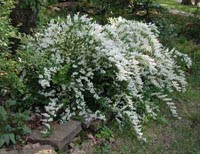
118	70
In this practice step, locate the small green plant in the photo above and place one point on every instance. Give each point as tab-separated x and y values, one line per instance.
103	149
106	136
12	124
105	133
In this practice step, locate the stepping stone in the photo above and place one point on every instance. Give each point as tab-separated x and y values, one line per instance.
42	149
62	135
4	151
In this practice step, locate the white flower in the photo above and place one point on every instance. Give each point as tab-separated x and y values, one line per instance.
44	83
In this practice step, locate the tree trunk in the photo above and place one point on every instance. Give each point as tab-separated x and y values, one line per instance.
24	18
186	2
197	1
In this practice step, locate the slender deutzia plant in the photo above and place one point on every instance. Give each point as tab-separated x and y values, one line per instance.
93	71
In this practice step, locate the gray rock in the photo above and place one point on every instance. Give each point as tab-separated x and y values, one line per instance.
4	151
62	135
43	149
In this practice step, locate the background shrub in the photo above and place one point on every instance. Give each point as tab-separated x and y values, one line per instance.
6	30
13	118
12	124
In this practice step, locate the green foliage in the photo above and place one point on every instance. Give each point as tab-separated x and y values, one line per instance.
6	30
36	4
102	149
62	77
191	29
106	136
12	124
33	4
28	14
10	69
176	27
11	84
105	133
102	9
143	8
12	120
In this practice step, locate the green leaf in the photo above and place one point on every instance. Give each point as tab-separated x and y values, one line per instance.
10	103
2	141
12	138
7	138
3	114
26	130
26	115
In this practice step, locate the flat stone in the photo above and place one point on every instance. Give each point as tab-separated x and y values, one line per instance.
4	151
42	149
62	135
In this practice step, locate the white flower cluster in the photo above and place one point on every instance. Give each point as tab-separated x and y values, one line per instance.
91	69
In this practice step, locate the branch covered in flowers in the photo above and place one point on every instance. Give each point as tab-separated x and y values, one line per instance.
88	70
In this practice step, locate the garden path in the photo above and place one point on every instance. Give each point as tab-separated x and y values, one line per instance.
183	13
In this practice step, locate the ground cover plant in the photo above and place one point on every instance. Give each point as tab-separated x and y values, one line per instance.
118	71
